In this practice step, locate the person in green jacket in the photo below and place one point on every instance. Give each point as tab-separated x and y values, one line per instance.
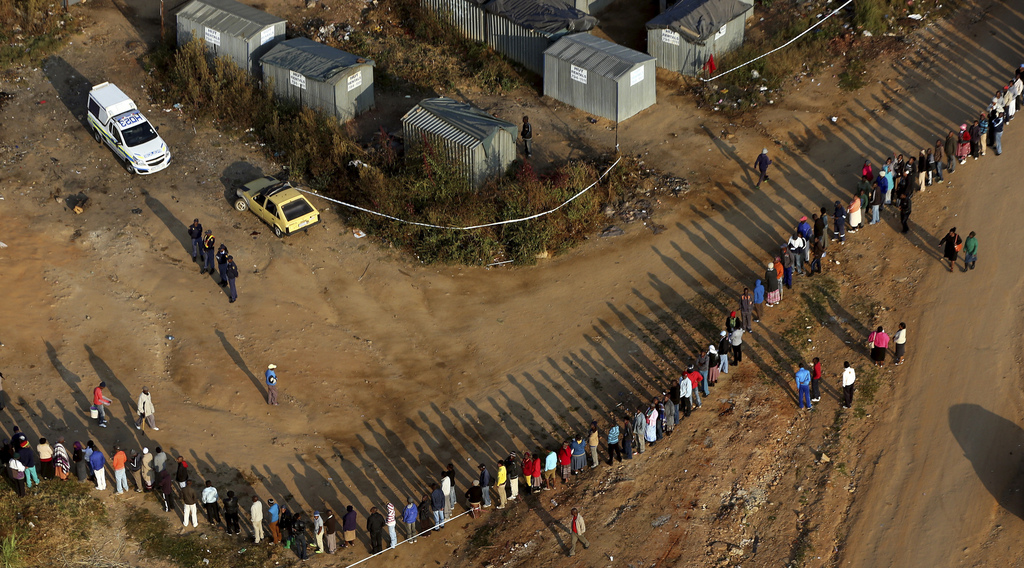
970	251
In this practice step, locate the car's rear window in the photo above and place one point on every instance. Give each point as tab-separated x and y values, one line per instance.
296	208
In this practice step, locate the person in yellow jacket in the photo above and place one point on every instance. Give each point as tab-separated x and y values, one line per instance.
592	442
500	485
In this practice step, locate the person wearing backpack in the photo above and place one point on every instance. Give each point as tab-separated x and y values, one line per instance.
231	271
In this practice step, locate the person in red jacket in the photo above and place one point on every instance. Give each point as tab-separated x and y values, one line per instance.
528	472
565	461
99	401
538	465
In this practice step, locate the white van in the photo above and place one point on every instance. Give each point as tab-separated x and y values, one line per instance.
114	119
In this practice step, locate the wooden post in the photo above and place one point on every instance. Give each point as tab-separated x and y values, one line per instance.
162	36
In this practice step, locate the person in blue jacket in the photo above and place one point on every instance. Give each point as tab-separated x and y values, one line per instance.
410	516
758	300
803	387
97	462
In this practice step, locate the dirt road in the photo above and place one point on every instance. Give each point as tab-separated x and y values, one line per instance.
946	486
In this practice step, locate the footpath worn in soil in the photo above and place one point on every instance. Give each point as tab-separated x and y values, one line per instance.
390	370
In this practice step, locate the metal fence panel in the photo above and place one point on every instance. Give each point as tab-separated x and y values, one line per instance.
466	17
676	54
519	44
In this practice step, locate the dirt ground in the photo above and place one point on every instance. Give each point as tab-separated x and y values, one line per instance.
390	369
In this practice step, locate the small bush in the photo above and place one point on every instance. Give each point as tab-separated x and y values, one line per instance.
853	78
49	522
190	549
31	29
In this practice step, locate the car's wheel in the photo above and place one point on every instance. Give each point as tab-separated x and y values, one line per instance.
131	168
96	135
278	232
241	204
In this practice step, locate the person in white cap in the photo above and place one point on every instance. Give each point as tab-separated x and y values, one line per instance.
761	163
146	410
271	377
148	473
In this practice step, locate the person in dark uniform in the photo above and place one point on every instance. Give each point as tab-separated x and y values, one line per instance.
527	135
375	526
231	272
208	243
231	513
222	264
195	232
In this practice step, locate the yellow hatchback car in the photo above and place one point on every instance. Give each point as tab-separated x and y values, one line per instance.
278	204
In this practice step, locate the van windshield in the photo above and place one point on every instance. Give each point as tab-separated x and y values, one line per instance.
138	134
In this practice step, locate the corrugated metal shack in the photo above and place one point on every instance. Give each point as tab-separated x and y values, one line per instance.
523	29
321	77
478	144
518	29
230	29
684	36
599	77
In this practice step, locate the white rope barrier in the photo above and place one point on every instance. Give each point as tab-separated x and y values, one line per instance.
803	33
520	220
417	535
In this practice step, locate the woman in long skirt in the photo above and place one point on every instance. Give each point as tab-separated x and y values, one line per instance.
879	341
61	460
771	282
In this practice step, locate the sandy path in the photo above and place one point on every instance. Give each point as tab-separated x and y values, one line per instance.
945	484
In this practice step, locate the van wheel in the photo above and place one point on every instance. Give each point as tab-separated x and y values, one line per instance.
278	232
96	135
241	204
131	169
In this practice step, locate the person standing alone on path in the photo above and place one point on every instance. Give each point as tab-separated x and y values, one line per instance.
970	251
195	232
577	529
98	402
803	388
761	163
231	271
952	245
527	135
271	378
900	340
146	410
849	376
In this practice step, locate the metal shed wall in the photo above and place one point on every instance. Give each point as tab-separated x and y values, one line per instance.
599	77
689	58
244	51
467	17
331	97
467	155
519	44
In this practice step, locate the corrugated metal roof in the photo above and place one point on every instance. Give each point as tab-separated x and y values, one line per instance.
228	16
461	123
697	20
597	55
314	60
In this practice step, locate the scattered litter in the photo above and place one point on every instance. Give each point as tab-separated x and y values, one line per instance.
917	17
3	245
137	211
170	337
42	102
358	233
77	202
591	120
612	231
834	119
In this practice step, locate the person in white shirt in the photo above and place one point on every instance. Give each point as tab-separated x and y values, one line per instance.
686	394
797	246
256	515
211	502
849	376
900	339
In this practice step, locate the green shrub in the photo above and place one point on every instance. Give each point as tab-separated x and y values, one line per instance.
31	29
